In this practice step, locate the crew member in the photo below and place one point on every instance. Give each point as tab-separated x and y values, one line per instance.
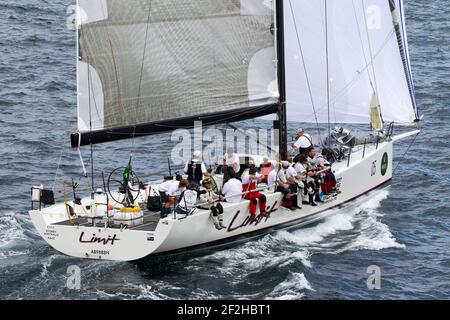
232	189
169	191
265	168
304	142
311	189
196	169
209	201
188	200
231	160
249	186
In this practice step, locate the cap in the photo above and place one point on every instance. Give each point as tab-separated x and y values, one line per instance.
265	159
192	186
207	180
285	164
252	171
196	155
300	130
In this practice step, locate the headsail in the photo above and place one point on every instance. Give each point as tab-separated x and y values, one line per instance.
364	58
149	66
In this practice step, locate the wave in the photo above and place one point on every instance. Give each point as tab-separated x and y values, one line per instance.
374	234
15	229
292	288
356	227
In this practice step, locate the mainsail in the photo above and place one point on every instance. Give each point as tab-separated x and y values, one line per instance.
149	66
367	54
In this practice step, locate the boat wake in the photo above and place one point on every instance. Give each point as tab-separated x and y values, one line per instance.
16	235
356	227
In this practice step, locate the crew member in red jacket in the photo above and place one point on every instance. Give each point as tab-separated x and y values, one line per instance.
265	168
249	184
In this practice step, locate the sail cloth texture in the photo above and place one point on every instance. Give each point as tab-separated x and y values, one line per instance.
362	49
150	61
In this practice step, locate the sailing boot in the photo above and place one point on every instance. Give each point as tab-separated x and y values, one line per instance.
295	202
318	199
287	203
164	212
311	201
216	222
221	225
304	196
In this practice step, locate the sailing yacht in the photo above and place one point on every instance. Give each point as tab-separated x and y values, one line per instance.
152	66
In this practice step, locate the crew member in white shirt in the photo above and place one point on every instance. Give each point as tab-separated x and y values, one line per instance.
231	159
188	200
293	175
232	189
304	141
169	191
272	177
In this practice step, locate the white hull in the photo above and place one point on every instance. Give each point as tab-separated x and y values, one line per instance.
360	177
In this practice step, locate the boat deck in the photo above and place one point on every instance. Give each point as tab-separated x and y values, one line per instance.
151	220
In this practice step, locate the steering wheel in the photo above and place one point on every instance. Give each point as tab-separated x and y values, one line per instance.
115	184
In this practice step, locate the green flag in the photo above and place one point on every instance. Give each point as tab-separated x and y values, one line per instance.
126	175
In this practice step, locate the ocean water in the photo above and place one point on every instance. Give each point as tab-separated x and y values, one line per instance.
404	230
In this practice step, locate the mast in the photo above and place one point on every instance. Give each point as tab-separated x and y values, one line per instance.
281	123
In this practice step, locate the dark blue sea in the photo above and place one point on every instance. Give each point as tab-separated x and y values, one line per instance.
404	230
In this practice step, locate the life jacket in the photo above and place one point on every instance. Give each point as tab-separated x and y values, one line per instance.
195	171
252	185
265	169
188	200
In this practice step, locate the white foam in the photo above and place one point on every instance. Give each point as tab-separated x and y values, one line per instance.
11	229
293	288
373	234
12	253
46	264
307	236
257	255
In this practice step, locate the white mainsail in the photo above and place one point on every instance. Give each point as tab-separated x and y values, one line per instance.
364	57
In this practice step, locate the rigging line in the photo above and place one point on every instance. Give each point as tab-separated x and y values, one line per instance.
251	137
85	175
114	63
59	164
370	45
142	71
362	44
90	124
327	64
306	71
406	152
353	81
91	86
